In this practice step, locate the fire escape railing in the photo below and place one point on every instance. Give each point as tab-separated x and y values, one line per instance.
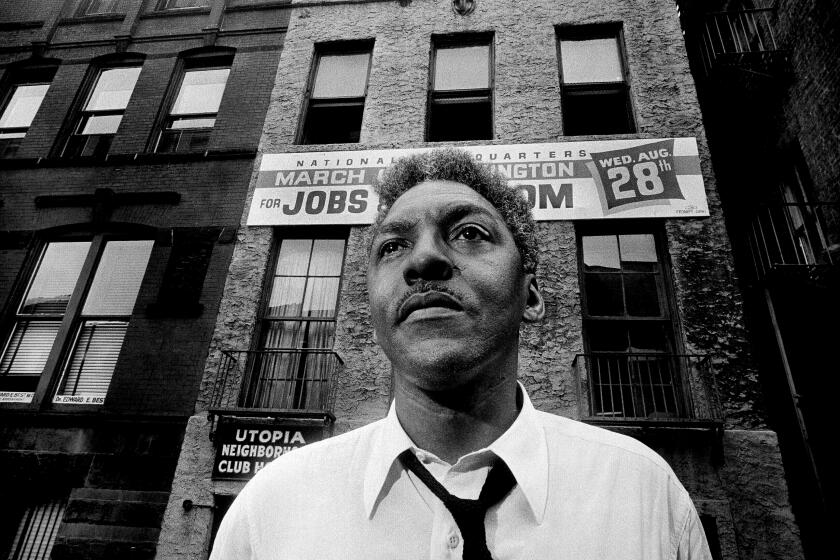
295	381
647	389
742	37
792	236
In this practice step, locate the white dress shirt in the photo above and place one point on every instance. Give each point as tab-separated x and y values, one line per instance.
582	493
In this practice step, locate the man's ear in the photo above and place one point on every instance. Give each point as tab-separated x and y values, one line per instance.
534	305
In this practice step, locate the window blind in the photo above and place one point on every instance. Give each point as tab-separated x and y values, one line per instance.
37	530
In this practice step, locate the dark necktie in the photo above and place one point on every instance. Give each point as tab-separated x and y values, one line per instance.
468	514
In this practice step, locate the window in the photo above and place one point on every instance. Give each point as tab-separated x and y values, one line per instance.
177	4
96	123
37	530
628	332
99	7
192	115
79	298
298	325
461	91
19	104
595	94
337	97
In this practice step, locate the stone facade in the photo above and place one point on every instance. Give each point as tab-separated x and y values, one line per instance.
734	474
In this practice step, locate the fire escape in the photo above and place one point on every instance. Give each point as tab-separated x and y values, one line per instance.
785	236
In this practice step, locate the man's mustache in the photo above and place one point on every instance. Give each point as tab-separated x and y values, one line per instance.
425	286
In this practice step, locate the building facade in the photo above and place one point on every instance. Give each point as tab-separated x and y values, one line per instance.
125	158
591	110
770	71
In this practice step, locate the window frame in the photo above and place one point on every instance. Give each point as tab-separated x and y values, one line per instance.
669	317
118	7
15	78
581	89
164	6
215	60
71	320
463	40
261	328
78	112
321	50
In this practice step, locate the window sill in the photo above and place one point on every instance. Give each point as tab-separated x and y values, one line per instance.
173	12
266	5
96	18
18	25
144	158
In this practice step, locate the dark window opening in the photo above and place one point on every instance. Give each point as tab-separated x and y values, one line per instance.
709	524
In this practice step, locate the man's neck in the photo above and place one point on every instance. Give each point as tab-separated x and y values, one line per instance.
451	424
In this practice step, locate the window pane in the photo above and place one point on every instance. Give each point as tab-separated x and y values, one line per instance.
286	296
597	111
600	252
284	334
57	275
642	297
27	350
341	76
648	337
23	105
94	358
321	295
113	89
118	277
293	259
638	252
606	337
201	91
462	68
603	294
593	60
101	124
192	123
327	255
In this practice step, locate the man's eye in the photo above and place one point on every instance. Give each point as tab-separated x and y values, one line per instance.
388	248
471	233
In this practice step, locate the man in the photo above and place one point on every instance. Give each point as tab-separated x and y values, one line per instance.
462	466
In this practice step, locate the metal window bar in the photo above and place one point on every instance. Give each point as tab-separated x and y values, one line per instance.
278	379
646	388
737	33
776	241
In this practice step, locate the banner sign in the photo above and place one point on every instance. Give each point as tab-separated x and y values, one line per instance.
638	178
243	448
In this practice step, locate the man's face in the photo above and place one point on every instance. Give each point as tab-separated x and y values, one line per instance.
446	286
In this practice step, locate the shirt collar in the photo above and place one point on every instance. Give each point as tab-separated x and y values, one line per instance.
522	447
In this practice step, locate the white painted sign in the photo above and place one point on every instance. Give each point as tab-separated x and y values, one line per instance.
16	396
639	178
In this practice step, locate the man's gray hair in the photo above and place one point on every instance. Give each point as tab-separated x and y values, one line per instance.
449	164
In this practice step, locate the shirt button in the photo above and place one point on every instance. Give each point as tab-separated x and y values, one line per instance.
453	540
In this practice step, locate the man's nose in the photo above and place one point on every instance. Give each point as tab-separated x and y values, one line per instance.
429	260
